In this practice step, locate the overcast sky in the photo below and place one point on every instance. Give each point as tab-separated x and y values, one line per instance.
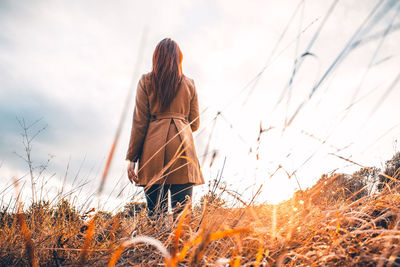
71	65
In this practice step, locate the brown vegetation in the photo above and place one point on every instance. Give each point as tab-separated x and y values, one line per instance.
339	221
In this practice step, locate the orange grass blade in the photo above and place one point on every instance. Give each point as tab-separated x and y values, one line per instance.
108	163
187	246
235	259
338	223
88	240
227	233
26	235
178	231
30	248
259	255
116	255
390	177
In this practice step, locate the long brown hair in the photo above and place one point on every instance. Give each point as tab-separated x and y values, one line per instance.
166	74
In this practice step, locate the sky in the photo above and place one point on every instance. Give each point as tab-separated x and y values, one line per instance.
69	66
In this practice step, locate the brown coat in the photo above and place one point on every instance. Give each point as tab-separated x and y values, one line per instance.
163	141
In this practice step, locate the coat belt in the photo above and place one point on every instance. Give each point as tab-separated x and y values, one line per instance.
168	115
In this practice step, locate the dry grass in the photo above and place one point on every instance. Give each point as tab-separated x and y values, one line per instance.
342	220
306	230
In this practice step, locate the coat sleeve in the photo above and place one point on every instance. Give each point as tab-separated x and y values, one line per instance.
194	114
140	124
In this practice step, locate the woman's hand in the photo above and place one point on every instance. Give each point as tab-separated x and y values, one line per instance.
132	175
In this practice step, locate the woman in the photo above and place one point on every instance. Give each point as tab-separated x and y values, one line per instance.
166	113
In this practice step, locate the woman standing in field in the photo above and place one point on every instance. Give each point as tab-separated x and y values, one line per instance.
166	113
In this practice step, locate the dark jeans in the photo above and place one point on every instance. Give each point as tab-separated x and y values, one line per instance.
157	198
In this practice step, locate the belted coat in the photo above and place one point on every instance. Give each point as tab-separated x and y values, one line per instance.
162	141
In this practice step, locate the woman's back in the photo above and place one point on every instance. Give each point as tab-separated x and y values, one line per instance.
181	103
162	138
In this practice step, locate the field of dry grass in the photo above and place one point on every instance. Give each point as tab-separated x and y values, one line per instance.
322	226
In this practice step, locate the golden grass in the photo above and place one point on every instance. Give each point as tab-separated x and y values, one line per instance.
302	231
